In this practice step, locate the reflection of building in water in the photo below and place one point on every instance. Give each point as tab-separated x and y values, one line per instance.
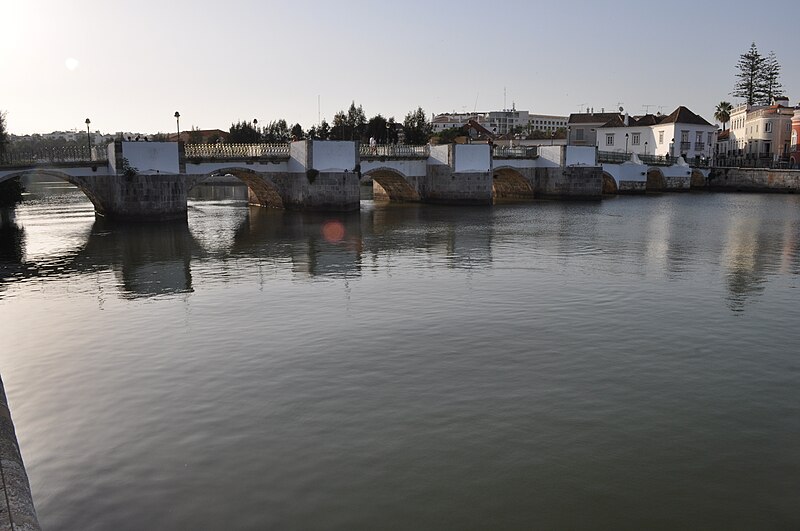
757	247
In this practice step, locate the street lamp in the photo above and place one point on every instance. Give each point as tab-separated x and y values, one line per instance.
178	121
88	138
626	145
552	137
645	147
255	126
672	148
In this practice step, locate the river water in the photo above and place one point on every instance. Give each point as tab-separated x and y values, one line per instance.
629	364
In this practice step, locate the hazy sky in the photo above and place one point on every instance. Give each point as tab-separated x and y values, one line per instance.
129	65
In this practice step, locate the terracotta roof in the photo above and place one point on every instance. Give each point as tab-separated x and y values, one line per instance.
682	115
723	135
591	118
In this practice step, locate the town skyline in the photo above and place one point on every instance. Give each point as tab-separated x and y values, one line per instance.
129	68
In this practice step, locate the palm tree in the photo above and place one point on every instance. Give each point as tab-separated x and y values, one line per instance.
723	113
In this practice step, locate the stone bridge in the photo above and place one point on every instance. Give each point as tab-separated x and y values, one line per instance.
632	174
150	180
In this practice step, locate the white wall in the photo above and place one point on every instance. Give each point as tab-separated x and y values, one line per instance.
298	156
581	156
334	156
152	157
550	156
472	158
440	155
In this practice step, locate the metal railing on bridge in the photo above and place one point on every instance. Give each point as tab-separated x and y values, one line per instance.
59	155
398	151
233	151
613	157
518	152
764	162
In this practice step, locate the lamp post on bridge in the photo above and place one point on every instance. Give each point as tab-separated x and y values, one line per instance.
645	148
626	145
255	126
88	138
178	122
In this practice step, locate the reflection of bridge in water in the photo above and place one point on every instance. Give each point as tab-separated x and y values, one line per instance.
156	259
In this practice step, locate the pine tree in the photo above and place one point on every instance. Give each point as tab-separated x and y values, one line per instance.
750	84
771	72
417	128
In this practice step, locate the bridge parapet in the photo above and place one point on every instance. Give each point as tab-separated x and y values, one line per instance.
54	156
519	152
236	151
394	151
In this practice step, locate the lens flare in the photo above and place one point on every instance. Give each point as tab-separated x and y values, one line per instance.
71	63
333	231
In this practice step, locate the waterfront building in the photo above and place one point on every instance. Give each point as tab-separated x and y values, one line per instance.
759	132
680	133
794	148
582	127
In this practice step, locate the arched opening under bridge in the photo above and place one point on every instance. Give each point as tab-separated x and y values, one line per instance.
261	190
390	185
655	181
508	184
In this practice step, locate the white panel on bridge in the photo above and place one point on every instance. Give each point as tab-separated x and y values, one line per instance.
550	156
472	158
581	156
334	156
152	157
440	155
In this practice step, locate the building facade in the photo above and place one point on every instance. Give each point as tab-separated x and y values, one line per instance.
758	132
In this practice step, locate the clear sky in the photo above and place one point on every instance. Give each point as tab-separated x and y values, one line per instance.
129	65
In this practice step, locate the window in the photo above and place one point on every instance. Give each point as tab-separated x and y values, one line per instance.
609	139
661	137
768	127
698	137
710	138
684	136
579	134
635	139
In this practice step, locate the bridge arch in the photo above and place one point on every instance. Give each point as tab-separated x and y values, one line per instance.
655	180
262	191
609	184
509	184
698	180
78	182
389	184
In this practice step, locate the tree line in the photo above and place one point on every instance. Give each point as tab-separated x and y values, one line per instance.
351	124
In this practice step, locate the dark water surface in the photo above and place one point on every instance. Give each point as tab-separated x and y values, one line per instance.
628	364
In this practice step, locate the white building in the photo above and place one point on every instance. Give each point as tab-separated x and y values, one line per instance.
547	123
758	132
681	133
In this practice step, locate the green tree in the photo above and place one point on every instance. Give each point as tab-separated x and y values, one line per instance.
297	132
750	79
416	127
339	131
771	73
277	131
244	133
3	135
723	113
324	131
377	129
356	122
448	136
